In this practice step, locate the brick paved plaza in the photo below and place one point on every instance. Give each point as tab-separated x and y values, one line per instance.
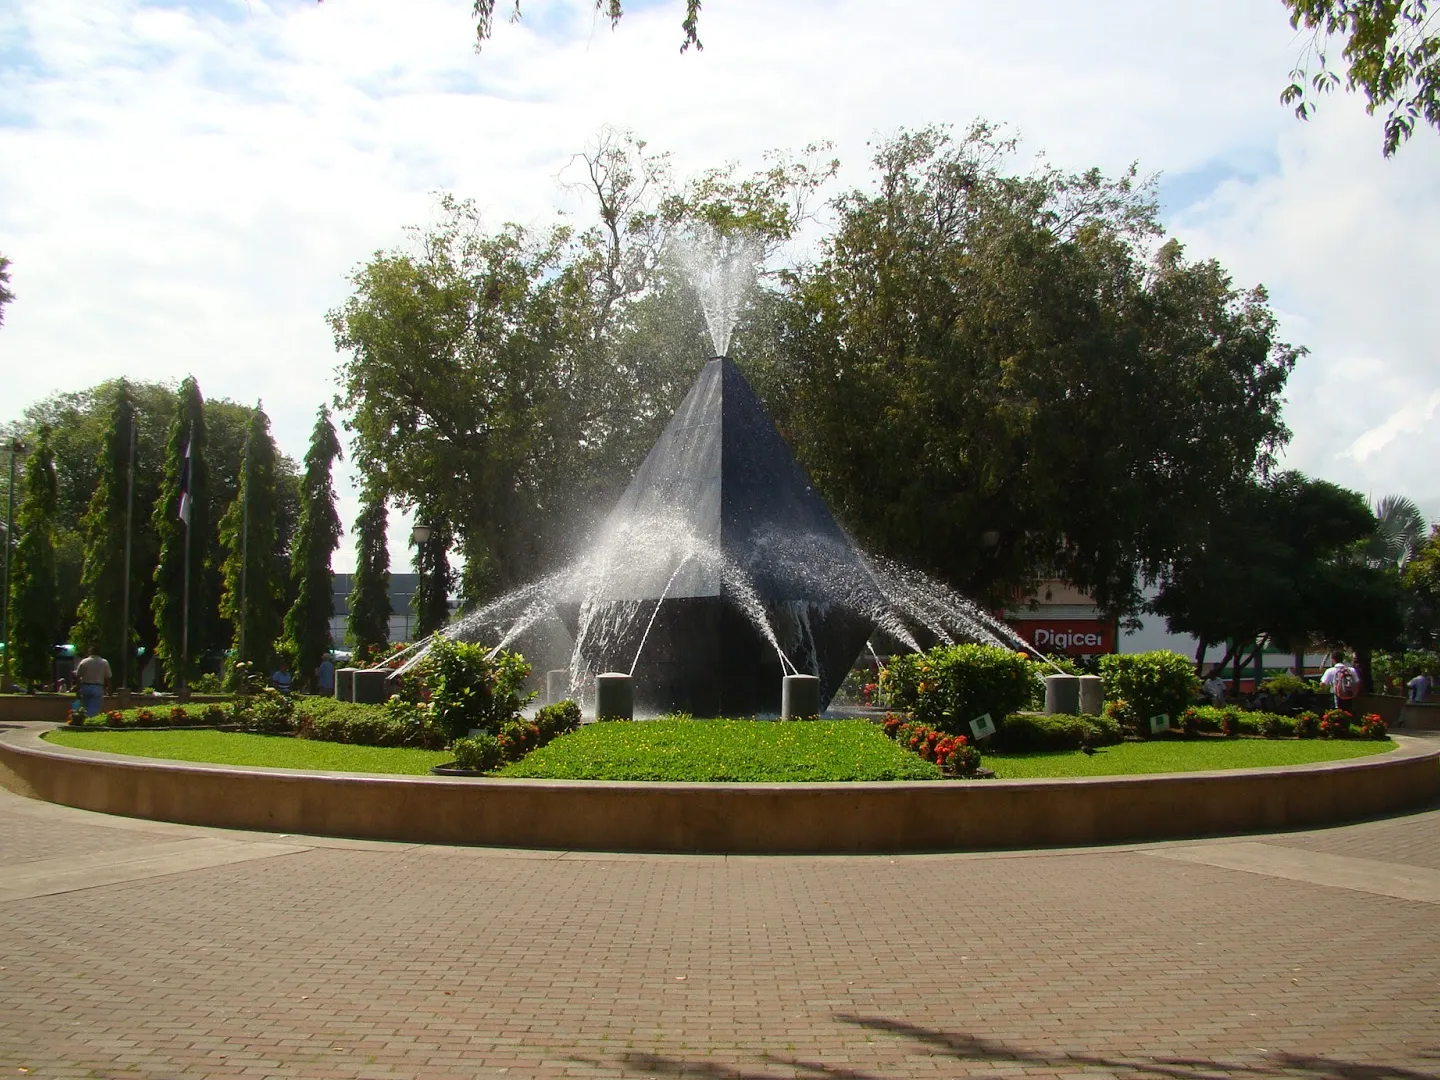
138	949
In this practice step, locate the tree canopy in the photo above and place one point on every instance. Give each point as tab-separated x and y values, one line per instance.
307	623
484	12
1391	54
5	294
187	437
33	618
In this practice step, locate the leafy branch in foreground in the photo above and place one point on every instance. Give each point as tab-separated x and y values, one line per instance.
612	9
1391	52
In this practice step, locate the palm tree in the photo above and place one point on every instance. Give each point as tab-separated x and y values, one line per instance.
1400	532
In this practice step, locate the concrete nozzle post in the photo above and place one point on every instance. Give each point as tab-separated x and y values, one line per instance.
557	685
1062	694
372	686
345	683
614	696
799	697
1092	695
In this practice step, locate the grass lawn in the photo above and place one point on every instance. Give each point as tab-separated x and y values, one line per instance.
268	751
1181	755
735	751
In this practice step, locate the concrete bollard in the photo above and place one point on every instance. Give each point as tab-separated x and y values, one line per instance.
345	683
799	697
1092	695
372	686
1062	694
614	696
557	685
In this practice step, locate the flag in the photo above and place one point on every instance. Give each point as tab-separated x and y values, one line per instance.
184	514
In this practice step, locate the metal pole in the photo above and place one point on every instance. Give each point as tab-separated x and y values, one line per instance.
125	593
5	603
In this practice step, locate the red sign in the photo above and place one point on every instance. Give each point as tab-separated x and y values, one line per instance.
1074	637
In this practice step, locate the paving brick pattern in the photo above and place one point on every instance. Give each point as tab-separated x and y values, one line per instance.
372	960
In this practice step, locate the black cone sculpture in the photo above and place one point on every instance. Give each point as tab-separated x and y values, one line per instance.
726	556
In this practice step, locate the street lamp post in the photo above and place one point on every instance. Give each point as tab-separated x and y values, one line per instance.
17	451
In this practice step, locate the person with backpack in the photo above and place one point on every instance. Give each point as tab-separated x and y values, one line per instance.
1344	683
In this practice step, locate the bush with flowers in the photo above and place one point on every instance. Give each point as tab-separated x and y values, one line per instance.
951	685
952	753
1372	727
1335	724
1307	725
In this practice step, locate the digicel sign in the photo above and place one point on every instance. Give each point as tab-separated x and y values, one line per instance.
1075	637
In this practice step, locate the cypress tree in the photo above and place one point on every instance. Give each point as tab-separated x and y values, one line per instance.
254	588
34	619
100	618
187	429
307	623
369	622
432	562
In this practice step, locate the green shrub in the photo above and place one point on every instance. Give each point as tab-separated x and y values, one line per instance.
479	752
558	719
1286	683
394	723
208	683
470	689
1307	725
266	713
1148	684
1037	731
951	685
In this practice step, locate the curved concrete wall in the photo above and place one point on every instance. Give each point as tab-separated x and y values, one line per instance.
740	818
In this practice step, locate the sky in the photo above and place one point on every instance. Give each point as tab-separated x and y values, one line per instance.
185	185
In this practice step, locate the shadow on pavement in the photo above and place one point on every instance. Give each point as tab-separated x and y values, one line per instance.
971	1048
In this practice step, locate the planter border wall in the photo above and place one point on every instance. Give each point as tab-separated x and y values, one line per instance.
732	818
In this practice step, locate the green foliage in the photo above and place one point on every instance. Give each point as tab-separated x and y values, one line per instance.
1038	731
254	567
369	620
393	724
558	719
1391	52
480	752
187	429
737	751
33	620
951	685
484	13
1392	671
1148	684
5	294
991	333
307	623
101	614
1422	583
469	689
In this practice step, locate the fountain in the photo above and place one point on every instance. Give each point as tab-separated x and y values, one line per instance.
721	571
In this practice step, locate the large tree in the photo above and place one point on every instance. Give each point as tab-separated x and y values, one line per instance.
511	380
990	377
254	570
185	456
1283	564
33	619
1391	54
307	623
369	620
107	614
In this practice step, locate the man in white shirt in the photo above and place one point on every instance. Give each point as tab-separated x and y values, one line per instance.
92	680
1343	681
1419	687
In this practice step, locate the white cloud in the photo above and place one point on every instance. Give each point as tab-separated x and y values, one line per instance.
184	188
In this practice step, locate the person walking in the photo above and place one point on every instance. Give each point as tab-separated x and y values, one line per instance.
1343	681
325	676
1419	688
92	680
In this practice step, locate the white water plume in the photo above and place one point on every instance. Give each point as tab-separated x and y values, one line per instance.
721	268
